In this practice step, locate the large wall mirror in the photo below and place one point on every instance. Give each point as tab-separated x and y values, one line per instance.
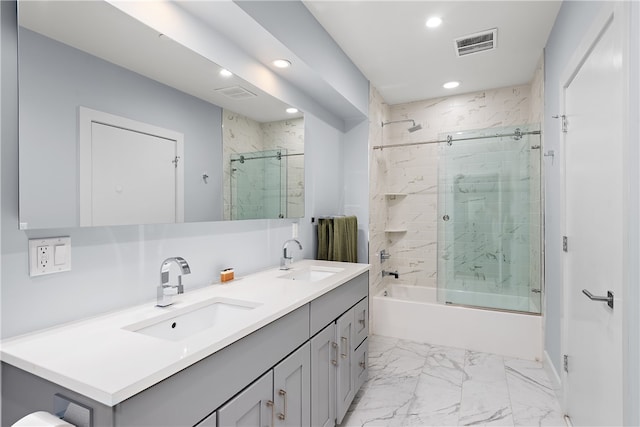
121	125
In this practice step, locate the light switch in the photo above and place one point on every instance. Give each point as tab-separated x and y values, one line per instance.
60	254
49	255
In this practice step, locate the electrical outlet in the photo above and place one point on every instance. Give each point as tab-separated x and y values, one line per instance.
44	257
51	255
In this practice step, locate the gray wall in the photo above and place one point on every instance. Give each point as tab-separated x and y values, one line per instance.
356	178
303	31
55	80
115	267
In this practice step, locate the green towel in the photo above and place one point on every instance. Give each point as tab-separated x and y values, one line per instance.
325	238
338	239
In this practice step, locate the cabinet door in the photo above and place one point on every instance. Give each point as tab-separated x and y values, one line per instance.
345	386
253	407
324	359
360	367
292	389
210	421
361	321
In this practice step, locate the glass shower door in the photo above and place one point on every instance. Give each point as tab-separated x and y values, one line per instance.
259	185
489	220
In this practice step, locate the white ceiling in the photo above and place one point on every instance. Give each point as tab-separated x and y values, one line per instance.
387	40
406	61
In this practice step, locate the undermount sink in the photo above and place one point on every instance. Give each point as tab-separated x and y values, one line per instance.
312	273
191	320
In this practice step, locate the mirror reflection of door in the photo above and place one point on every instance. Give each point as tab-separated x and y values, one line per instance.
130	172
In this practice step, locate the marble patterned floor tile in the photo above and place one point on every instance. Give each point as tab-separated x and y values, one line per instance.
404	361
415	384
439	389
379	350
485	395
533	399
485	403
382	404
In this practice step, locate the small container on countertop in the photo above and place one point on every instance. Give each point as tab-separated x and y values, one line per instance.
226	275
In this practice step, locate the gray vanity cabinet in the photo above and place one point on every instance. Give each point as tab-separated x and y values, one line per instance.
359	367
210	421
281	397
324	354
253	407
338	365
344	381
292	389
361	321
303	370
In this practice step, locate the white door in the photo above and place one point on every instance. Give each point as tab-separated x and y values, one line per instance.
594	225
130	172
134	177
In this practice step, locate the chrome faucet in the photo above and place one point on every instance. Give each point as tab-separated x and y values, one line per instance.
395	274
285	261
165	300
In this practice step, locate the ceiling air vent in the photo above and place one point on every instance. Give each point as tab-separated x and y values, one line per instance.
236	92
478	42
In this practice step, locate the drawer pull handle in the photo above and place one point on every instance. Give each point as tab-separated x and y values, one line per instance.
345	347
270	404
334	345
283	416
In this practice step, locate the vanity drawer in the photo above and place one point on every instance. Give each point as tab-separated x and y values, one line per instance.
361	321
331	305
360	368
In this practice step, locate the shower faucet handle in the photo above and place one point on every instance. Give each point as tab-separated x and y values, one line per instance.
395	274
384	255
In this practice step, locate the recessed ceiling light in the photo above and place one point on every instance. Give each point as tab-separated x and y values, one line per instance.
434	22
451	85
291	110
225	73
282	63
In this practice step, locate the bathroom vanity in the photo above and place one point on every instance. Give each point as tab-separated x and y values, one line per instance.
274	348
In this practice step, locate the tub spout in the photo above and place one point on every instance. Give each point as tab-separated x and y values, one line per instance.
395	274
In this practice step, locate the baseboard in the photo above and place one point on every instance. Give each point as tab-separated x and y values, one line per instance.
555	378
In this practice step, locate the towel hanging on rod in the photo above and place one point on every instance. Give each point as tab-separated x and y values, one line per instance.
313	218
338	238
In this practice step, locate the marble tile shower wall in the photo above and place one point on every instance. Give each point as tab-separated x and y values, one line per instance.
413	171
378	167
244	135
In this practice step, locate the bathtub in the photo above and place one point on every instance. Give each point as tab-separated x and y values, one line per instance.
413	313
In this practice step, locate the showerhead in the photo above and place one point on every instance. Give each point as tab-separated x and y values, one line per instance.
412	129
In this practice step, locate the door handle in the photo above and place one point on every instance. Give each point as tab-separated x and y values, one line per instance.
334	345
608	299
345	347
283	415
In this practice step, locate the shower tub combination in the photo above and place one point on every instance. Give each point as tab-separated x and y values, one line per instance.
414	313
488	295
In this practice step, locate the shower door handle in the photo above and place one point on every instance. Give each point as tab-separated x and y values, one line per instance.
608	299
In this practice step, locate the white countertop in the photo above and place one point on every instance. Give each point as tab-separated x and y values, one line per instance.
102	360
